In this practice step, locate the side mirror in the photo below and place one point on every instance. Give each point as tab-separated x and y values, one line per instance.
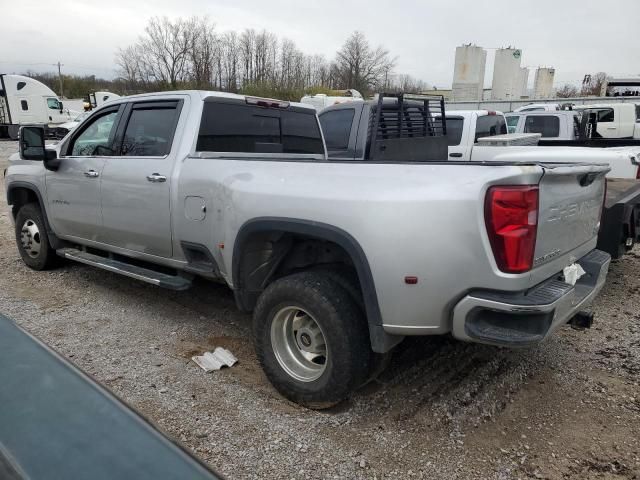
32	147
32	143
61	107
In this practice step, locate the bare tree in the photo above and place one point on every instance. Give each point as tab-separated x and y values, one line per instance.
204	53
166	47
567	91
360	66
230	61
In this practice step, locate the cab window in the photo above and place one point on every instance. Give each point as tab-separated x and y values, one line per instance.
150	129
54	104
336	128
96	138
512	123
454	130
546	125
606	115
490	125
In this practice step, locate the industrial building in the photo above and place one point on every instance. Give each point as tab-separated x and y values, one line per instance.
468	74
543	83
509	78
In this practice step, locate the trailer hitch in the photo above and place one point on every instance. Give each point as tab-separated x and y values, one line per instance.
582	320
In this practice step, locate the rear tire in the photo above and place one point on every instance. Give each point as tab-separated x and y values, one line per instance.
311	339
32	240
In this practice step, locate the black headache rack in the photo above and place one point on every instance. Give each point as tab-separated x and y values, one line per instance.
407	128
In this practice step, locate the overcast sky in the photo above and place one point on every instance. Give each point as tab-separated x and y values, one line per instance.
574	36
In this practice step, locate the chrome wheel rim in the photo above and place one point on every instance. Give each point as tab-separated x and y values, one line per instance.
30	238
299	344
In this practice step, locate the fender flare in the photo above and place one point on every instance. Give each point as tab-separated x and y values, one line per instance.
53	239
380	340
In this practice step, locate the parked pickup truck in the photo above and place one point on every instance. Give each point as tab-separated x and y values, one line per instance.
577	128
479	135
338	257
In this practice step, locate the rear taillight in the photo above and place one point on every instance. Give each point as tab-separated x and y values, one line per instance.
638	174
511	214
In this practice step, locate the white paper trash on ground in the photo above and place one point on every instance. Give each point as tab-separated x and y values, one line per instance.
572	273
220	357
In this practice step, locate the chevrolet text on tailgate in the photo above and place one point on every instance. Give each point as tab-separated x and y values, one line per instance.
338	256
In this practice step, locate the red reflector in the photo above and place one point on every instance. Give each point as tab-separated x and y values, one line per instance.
410	280
511	214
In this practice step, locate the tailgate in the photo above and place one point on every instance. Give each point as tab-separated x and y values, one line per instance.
571	199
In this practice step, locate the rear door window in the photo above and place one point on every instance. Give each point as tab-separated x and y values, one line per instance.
454	130
546	125
490	125
238	128
150	129
336	128
606	115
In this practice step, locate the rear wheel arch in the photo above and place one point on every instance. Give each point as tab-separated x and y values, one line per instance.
283	231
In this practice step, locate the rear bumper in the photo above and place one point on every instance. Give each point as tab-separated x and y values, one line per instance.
527	317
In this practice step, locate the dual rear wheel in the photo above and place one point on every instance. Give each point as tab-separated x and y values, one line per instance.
312	339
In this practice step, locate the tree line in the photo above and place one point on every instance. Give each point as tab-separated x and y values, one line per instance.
191	53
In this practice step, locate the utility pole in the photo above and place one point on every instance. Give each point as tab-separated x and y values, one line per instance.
60	65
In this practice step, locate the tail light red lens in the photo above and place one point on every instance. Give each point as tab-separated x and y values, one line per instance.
511	215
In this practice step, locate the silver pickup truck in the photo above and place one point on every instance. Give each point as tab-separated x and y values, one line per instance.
339	256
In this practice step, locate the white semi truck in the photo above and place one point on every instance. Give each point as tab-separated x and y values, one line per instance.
26	101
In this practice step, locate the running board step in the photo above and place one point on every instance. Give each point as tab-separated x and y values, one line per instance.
173	282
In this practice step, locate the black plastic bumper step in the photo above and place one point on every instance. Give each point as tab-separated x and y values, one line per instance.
173	282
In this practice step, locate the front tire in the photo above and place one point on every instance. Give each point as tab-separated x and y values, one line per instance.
311	339
32	240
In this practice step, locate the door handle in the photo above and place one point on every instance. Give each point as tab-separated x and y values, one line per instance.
455	155
156	178
91	174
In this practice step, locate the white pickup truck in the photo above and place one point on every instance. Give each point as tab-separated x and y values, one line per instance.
579	128
468	133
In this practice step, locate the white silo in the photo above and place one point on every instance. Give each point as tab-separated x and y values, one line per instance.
507	75
468	74
543	84
524	82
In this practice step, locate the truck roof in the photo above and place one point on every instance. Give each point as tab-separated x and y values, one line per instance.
566	113
202	94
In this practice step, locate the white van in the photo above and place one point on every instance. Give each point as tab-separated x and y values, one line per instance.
322	100
26	101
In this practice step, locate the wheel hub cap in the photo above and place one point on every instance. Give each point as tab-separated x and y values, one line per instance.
299	344
30	238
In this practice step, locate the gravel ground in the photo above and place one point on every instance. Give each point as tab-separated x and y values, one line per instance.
569	408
